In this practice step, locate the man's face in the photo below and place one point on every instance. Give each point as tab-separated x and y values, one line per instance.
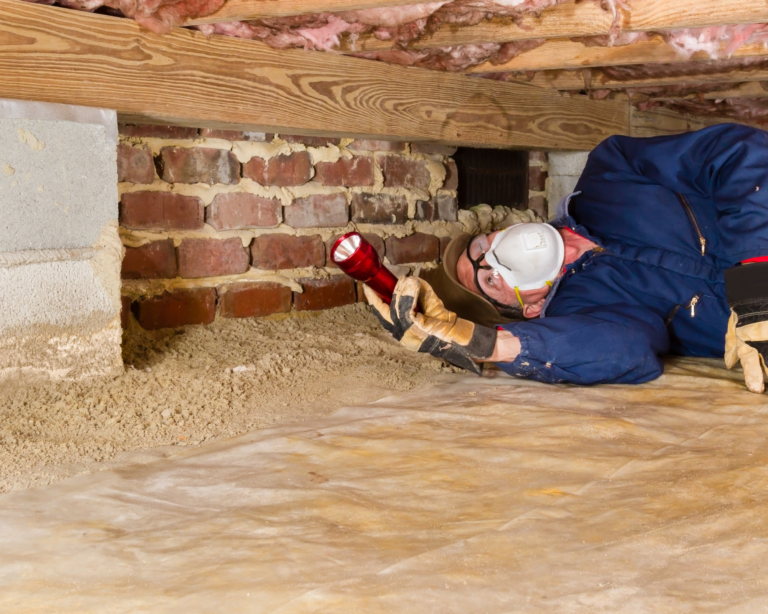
492	283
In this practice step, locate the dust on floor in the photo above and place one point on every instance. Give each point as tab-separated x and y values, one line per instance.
192	385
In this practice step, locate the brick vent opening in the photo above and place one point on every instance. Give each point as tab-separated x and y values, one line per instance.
492	177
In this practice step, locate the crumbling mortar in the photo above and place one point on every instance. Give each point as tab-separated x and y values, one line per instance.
137	238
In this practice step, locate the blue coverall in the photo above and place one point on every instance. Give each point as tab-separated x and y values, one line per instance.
672	214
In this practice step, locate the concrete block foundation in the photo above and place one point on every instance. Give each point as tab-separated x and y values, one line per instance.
60	252
564	171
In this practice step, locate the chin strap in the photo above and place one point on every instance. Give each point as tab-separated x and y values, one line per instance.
520	299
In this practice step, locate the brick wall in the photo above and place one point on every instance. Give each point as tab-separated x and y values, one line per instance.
239	224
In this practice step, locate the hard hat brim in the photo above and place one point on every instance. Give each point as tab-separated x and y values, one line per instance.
457	298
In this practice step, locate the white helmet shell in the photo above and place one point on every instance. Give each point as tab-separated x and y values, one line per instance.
527	256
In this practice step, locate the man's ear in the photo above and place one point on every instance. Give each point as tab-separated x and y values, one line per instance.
533	310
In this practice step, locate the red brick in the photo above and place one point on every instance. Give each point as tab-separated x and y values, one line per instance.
310	141
161	211
282	251
379	209
400	172
178	308
368	145
349	172
242	210
235	135
318	211
283	170
540	205
319	294
151	261
163	132
198	165
537	156
254	300
442	206
125	311
212	257
135	164
451	181
418	247
537	179
373	239
433	148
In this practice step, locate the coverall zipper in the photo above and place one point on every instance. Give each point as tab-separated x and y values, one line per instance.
689	212
691	306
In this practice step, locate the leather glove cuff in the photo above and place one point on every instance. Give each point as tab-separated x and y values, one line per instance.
746	289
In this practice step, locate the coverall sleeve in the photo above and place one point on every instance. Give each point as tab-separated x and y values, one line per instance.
724	164
615	344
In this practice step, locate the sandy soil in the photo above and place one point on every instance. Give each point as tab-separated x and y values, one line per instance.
193	385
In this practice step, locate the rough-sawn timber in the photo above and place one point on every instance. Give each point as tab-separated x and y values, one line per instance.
52	54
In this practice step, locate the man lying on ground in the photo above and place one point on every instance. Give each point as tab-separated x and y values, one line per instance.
662	248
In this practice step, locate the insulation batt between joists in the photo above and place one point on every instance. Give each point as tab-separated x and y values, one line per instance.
322	31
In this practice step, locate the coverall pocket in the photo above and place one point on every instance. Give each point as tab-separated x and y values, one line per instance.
697	327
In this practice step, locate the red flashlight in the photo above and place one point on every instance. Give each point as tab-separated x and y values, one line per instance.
357	258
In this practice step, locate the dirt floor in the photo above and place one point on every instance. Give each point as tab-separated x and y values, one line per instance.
193	385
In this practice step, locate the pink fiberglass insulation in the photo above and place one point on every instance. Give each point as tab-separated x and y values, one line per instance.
717	41
323	31
156	15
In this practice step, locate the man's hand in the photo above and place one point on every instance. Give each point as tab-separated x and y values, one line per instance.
747	338
435	330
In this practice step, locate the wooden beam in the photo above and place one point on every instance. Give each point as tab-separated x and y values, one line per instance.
755	89
587	19
595	79
566	54
660	122
241	10
52	54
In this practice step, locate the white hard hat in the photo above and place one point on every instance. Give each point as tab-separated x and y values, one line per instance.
527	256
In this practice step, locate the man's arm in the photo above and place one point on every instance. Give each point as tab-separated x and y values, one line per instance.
724	164
507	347
617	344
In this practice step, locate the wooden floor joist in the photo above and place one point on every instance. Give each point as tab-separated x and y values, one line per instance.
566	54
587	19
660	122
240	10
53	54
756	89
575	80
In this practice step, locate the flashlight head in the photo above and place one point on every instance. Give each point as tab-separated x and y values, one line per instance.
358	259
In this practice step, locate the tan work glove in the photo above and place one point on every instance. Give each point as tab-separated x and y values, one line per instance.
436	330
748	344
746	341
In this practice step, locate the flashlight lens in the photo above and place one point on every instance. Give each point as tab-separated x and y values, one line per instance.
346	248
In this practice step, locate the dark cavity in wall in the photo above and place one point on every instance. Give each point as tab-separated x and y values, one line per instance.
492	177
